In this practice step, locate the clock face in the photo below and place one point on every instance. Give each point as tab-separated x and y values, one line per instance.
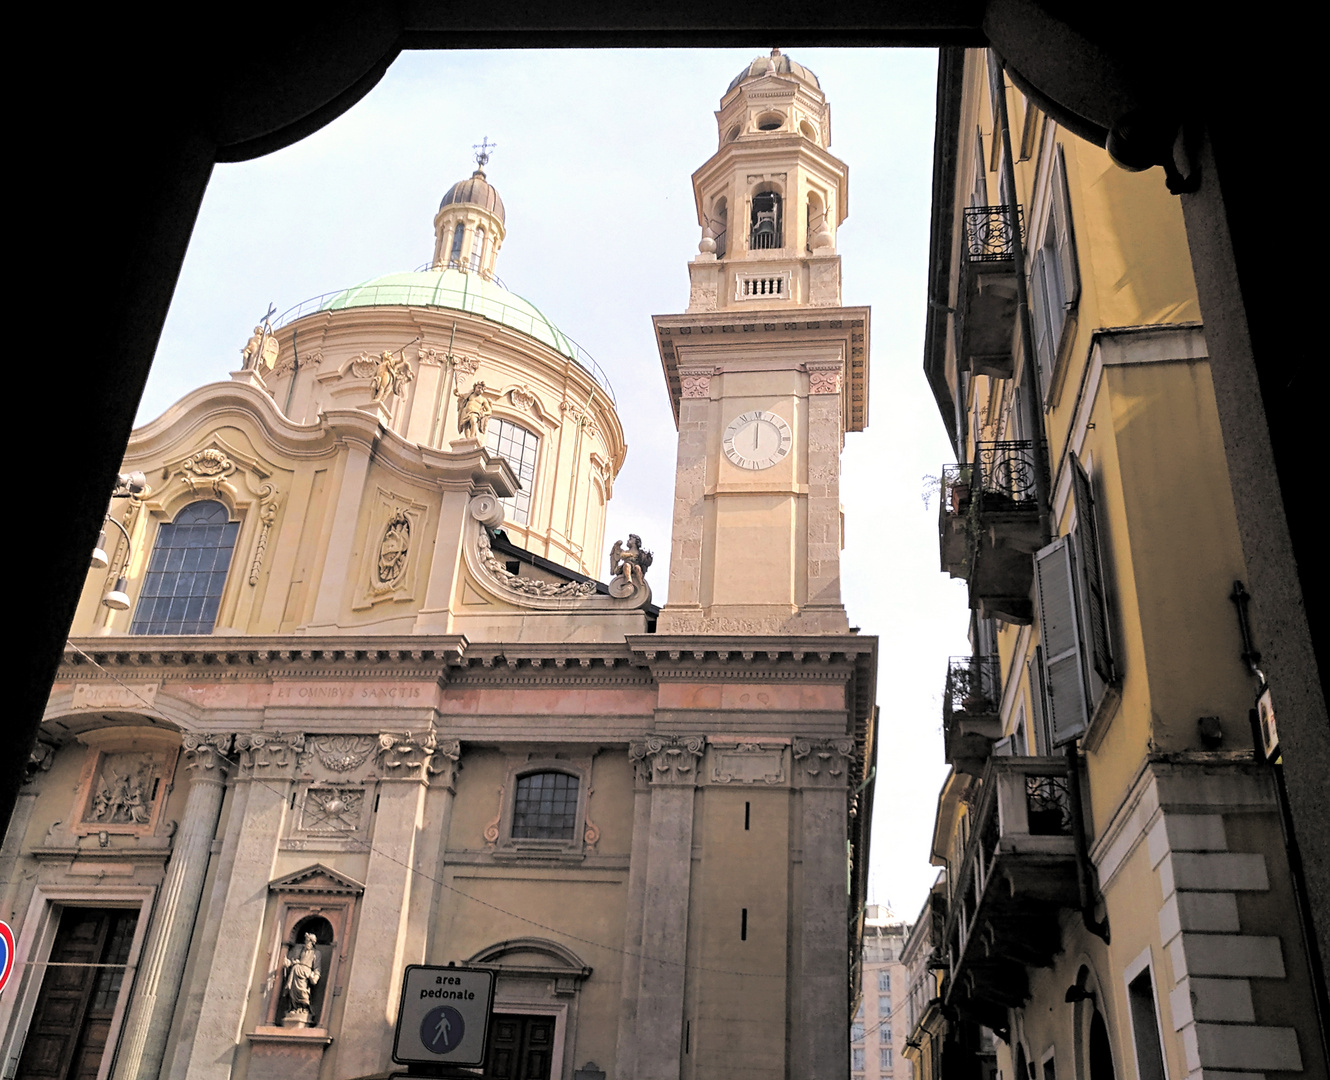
757	440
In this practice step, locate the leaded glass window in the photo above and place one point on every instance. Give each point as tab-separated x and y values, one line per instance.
545	807
518	447
187	572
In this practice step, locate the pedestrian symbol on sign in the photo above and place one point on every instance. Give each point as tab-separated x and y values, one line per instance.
442	1029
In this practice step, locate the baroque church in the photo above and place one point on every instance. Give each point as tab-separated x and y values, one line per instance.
346	692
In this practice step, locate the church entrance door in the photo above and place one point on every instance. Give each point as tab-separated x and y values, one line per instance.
70	1025
520	1047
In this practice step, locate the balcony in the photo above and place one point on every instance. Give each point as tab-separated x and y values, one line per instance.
1017	871
986	301
970	705
988	527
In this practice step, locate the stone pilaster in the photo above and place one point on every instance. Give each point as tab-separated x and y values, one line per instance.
626	1054
408	764
267	763
157	988
822	772
673	769
823	603
690	480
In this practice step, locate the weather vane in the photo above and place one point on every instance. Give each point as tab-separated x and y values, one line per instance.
483	149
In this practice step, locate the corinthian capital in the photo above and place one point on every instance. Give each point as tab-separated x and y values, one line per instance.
669	759
824	762
207	754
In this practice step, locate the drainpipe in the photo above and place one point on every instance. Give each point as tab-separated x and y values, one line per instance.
1029	375
1042	479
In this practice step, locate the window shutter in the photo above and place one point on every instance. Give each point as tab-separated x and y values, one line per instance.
1035	672
1092	570
1066	236
1039	320
1064	675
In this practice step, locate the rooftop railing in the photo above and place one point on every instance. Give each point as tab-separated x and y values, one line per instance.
519	318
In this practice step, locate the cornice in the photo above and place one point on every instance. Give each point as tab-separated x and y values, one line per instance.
699	330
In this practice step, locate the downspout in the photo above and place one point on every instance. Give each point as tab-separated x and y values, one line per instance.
1030	384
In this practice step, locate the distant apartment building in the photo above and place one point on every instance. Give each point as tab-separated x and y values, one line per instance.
878	1031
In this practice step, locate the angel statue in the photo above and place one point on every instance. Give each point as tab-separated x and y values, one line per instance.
628	565
473	412
391	376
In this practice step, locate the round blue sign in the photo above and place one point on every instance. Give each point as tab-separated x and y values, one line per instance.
442	1029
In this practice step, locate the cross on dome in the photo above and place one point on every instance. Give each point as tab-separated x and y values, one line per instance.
482	150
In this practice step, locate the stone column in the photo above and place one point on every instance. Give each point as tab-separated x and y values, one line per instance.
157	988
268	761
384	942
626	1054
659	1038
821	1046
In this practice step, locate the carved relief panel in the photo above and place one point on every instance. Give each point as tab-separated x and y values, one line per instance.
126	776
393	548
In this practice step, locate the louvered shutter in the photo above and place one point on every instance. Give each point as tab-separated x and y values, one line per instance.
1066	236
1035	672
1093	599
1064	674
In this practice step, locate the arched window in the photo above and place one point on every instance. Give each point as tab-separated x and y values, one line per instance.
518	447
720	214
545	807
766	222
455	256
187	572
477	247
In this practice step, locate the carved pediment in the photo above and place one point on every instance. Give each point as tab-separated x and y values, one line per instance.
317	879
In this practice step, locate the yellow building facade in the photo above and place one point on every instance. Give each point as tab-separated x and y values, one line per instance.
344	693
1118	897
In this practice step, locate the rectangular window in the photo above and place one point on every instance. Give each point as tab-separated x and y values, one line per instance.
884	1057
884	1006
884	1034
857	1059
1094	602
518	447
884	981
856	1033
1055	283
1144	1028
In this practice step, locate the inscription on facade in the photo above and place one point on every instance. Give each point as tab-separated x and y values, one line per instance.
96	696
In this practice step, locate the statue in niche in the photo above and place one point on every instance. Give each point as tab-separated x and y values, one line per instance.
301	970
391	376
473	412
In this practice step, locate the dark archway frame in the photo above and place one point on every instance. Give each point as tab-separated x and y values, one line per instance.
132	113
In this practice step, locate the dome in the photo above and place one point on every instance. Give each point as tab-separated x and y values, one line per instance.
471	293
476	191
784	66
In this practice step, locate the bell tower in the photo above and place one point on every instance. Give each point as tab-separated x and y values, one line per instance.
766	370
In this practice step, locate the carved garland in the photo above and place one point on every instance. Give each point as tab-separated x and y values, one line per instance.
529	586
269	498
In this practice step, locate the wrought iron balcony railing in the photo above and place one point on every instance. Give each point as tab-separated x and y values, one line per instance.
970	708
1007	469
974	687
990	233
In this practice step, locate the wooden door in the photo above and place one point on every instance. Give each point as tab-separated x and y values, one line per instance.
520	1047
70	1025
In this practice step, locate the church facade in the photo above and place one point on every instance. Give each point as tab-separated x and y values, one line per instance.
344	693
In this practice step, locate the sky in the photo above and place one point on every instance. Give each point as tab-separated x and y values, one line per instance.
595	150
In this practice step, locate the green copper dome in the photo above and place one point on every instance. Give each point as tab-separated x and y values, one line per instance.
458	291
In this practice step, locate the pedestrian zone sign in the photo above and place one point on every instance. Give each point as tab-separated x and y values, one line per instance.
444	1016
